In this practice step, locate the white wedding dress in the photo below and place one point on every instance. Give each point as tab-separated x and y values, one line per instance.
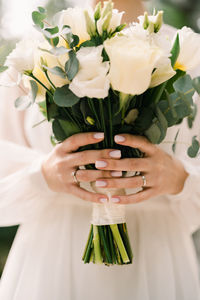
45	260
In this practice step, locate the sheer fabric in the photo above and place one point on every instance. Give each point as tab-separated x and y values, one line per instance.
45	259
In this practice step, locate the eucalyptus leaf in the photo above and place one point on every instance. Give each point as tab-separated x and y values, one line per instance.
194	148
42	10
57	51
72	65
192	116
34	89
64	97
153	133
38	18
196	84
56	71
175	141
23	102
52	35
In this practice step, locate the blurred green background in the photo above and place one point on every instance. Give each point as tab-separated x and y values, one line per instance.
15	23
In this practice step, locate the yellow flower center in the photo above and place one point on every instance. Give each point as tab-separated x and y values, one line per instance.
179	66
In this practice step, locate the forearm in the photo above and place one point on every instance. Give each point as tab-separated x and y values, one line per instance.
133	9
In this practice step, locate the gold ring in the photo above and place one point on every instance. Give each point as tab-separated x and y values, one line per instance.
144	181
74	176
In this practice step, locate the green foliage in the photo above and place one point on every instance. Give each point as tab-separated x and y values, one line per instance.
194	148
196	84
23	102
72	65
64	97
56	71
175	141
34	89
52	35
175	51
39	16
63	129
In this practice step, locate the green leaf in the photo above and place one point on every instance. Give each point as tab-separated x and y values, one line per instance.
38	18
194	148
196	84
192	116
42	10
75	41
144	120
52	35
90	43
23	102
56	71
175	142
34	89
72	65
3	69
63	129
153	133
162	123
64	97
57	51
175	51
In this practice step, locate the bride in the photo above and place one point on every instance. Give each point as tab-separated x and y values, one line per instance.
38	191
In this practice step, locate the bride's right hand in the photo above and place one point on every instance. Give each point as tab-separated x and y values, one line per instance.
58	167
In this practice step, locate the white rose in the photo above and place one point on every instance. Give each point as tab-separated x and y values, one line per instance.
91	80
75	18
131	63
114	22
189	57
22	57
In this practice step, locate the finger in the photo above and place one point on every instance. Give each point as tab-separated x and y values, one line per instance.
80	139
93	175
88	196
136	141
125	164
91	156
143	195
131	182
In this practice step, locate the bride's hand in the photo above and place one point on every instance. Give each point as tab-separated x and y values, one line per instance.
164	174
58	168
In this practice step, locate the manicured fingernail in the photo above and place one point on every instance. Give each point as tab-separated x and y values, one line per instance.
99	135
100	183
115	200
119	138
100	164
103	200
116	173
115	154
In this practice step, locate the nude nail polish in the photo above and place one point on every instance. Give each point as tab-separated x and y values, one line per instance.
100	164
99	135
100	183
103	200
116	173
115	200
115	154
119	138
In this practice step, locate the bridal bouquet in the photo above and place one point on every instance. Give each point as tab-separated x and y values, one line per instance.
92	73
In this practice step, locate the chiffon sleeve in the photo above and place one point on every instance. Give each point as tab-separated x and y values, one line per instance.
186	204
23	190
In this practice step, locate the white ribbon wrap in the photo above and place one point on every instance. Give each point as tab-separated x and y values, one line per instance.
108	213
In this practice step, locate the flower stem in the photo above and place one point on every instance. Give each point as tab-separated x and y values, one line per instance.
47	76
103	122
110	122
92	107
48	91
120	243
97	248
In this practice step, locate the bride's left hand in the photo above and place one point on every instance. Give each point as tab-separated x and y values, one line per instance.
164	173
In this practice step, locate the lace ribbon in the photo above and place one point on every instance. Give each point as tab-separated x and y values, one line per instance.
108	213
